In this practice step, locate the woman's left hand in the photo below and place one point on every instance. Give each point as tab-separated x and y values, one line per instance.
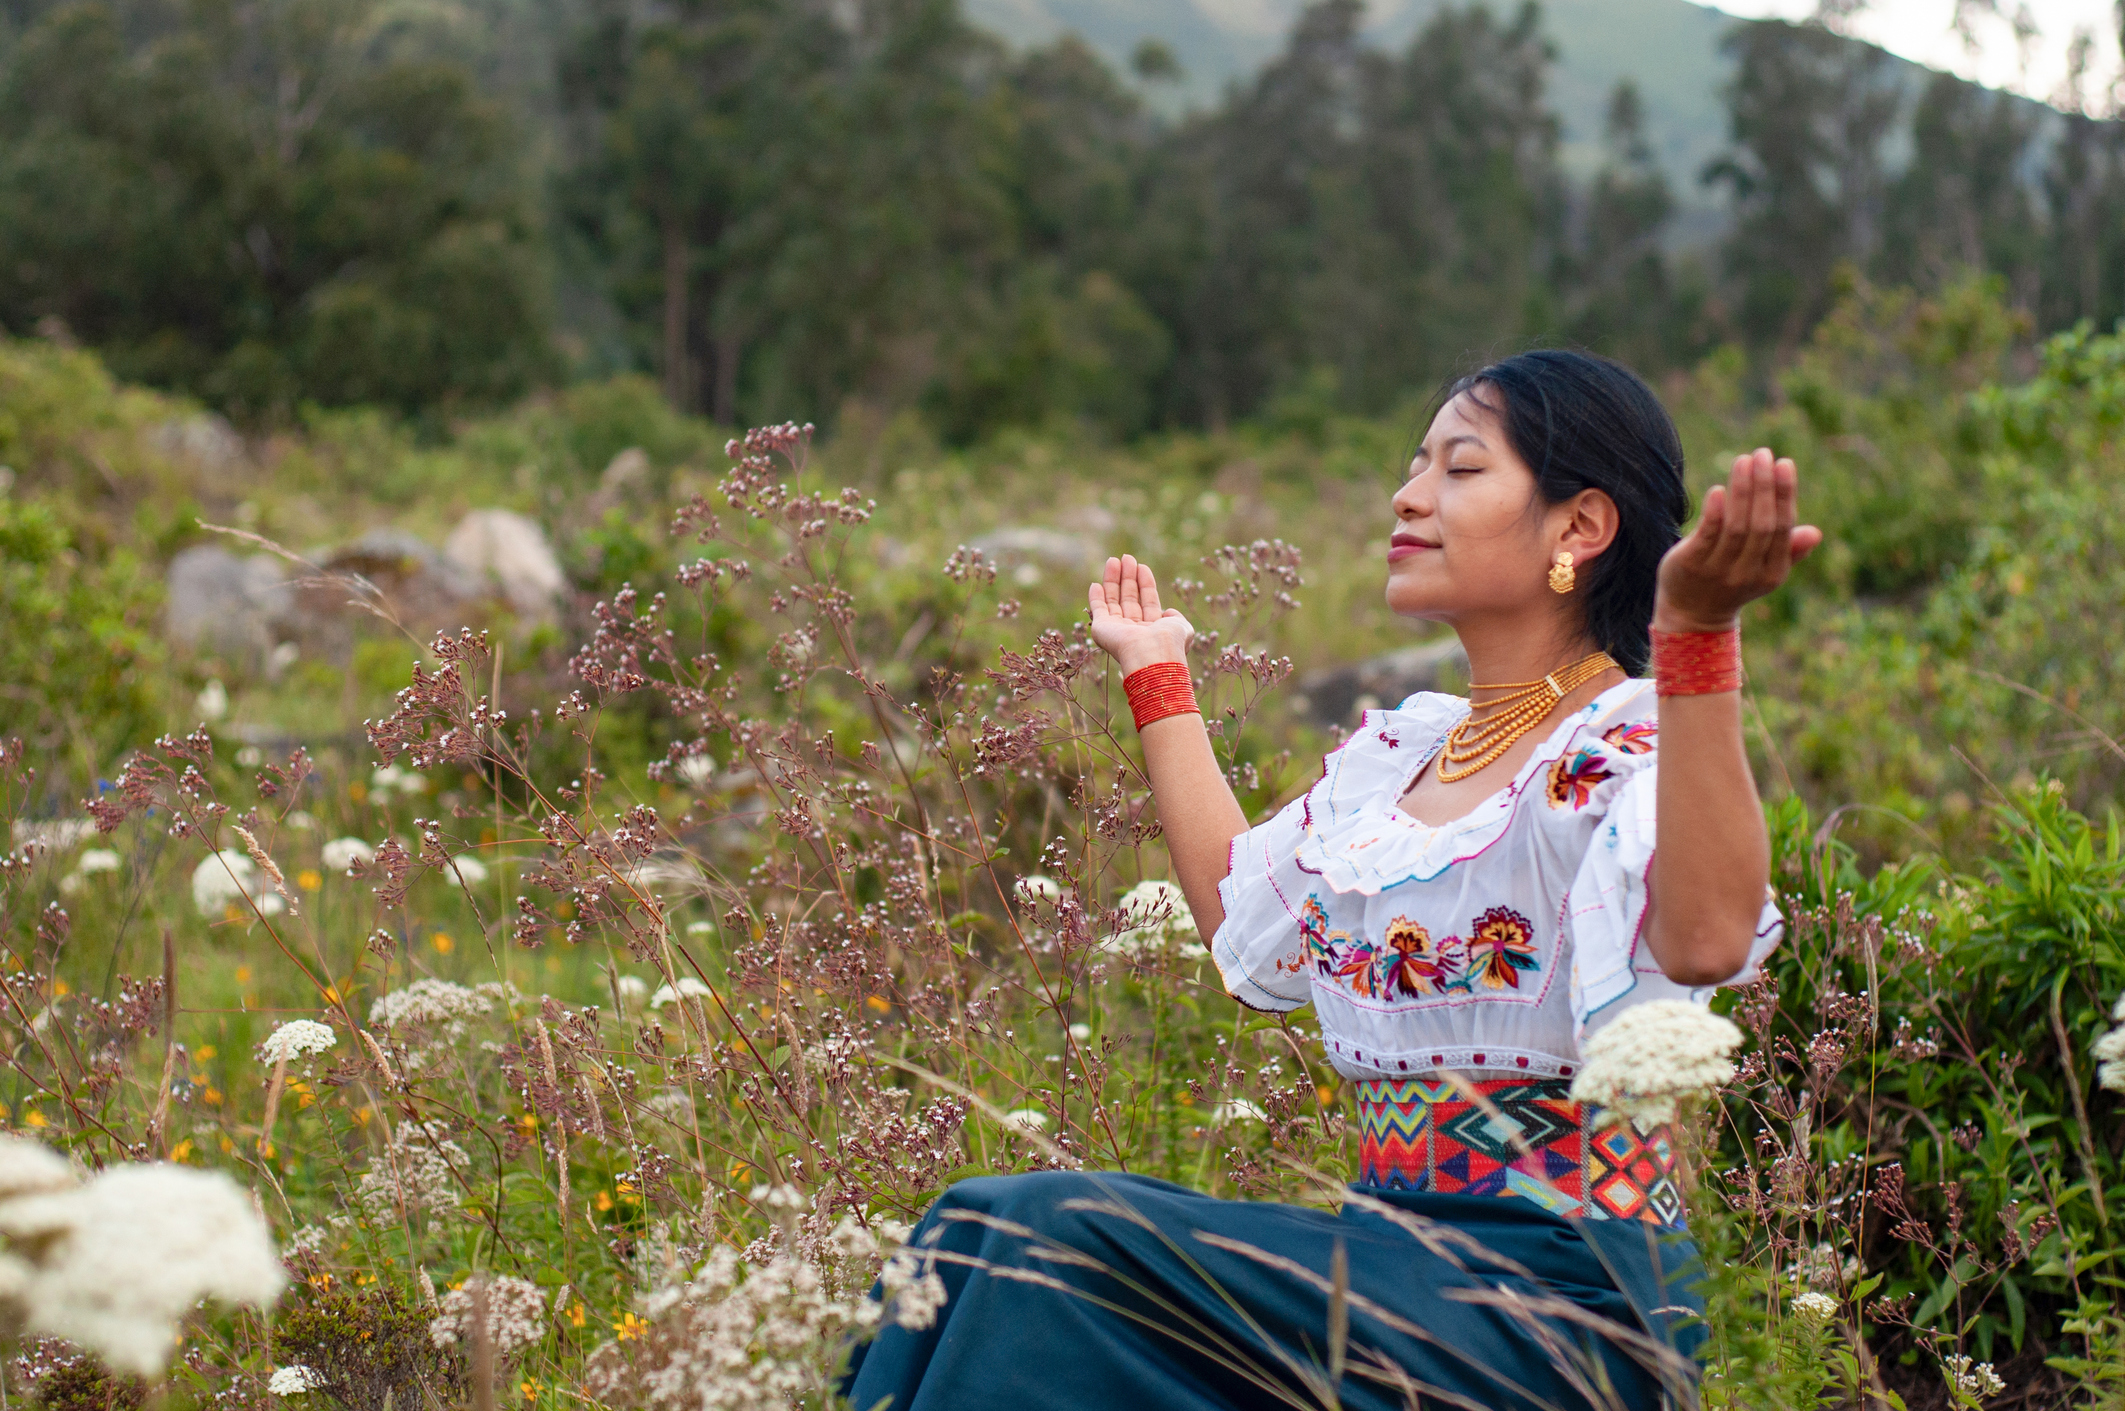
1743	547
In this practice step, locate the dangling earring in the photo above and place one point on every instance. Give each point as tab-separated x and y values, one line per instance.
1561	574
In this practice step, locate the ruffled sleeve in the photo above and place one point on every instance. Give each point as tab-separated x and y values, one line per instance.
1260	952
1611	967
1261	948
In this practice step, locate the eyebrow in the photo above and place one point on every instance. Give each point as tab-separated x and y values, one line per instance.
1424	452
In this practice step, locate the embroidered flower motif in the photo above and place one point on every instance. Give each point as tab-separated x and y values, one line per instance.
1634	738
1502	945
1573	777
1416	965
1392	741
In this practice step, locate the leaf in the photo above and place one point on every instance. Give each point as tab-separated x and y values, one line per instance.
2017	1310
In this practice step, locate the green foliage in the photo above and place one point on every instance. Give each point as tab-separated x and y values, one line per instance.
369	1347
79	647
286	206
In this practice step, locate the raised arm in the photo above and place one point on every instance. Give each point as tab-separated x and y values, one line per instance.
1713	858
1195	805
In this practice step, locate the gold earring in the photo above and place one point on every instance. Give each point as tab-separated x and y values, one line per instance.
1561	574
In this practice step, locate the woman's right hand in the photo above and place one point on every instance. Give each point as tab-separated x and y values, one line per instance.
1128	623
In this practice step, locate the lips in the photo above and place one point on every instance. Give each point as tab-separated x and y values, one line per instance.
1405	545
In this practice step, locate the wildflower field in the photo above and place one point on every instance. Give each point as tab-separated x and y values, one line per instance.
590	1004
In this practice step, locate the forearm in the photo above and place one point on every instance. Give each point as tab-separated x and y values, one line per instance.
1197	812
1713	858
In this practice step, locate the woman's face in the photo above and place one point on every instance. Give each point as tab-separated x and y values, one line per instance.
1472	537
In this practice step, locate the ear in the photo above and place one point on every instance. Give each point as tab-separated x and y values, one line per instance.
1585	525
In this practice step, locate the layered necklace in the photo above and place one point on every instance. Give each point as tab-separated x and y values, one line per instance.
1498	724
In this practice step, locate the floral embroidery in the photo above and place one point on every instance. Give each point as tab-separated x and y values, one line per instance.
1416	965
1503	945
1412	964
1573	777
1634	738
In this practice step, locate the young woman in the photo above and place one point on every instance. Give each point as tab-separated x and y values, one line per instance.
1470	888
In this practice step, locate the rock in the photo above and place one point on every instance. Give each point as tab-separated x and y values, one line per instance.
510	554
219	601
417	585
207	441
1336	696
626	471
1027	544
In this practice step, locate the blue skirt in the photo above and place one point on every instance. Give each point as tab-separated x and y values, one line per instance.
1069	1290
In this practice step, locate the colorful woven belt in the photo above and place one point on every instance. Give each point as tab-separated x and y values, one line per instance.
1418	1134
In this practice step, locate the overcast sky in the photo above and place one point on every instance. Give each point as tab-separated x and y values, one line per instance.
1921	30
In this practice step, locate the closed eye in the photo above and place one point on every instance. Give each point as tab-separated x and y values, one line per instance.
1463	469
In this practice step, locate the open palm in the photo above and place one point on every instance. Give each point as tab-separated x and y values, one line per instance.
1127	621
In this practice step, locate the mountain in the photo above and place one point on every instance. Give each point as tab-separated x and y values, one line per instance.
1670	48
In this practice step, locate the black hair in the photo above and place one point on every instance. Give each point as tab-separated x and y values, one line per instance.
1583	422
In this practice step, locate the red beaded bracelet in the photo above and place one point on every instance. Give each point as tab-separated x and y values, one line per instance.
1697	663
1160	690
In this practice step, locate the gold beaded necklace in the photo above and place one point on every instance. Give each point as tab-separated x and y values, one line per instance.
1496	725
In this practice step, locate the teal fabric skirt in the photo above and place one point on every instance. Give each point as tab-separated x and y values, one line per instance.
1075	1290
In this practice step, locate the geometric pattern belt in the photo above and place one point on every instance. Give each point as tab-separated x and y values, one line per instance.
1416	1134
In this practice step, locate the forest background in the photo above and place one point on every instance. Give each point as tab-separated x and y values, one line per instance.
315	271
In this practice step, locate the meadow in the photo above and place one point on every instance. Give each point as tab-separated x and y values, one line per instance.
798	864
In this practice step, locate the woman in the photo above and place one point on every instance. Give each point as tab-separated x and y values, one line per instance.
1469	889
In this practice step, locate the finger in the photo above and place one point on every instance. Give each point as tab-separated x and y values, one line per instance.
1111	584
1778	537
1132	603
1806	538
1766	536
1098	594
1712	524
1147	591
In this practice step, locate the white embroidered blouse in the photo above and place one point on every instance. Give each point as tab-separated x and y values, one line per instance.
1493	943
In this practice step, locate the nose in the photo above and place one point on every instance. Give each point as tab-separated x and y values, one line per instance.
1414	499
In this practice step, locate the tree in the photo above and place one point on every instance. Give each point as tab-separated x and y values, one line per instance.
267	204
1810	111
1964	203
1617	279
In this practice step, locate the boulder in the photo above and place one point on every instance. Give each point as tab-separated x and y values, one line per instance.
207	441
223	602
1020	545
509	554
1337	695
415	584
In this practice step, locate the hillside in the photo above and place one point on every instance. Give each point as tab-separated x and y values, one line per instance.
1669	48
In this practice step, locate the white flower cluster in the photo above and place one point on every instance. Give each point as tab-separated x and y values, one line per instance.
298	1038
470	870
389	779
759	1338
1158	915
687	988
634	992
91	862
1654	1055
113	1263
430	1003
310	1239
293	1381
1973	1378
1039	891
229	880
516	1314
420	1171
1815	1309
342	853
2110	1051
